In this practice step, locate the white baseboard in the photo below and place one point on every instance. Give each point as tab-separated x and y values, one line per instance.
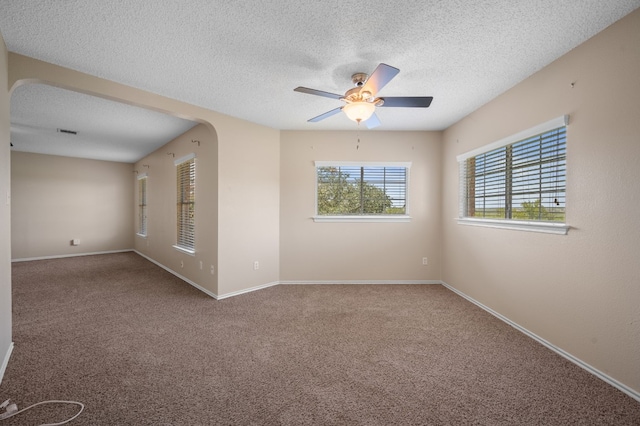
28	259
5	361
247	290
613	382
185	279
419	282
610	380
204	290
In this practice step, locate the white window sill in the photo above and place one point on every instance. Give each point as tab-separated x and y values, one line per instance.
141	235
185	250
517	225
387	218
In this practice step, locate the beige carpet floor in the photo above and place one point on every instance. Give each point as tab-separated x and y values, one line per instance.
140	347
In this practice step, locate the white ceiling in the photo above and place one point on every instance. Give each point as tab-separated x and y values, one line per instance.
106	130
244	58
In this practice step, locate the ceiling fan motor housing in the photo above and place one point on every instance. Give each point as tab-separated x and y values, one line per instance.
357	95
359	79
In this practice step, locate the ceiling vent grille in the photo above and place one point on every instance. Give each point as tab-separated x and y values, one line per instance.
67	131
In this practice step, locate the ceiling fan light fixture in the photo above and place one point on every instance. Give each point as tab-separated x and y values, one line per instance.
359	111
361	102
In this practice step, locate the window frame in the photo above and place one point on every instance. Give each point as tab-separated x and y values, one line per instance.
142	205
513	224
188	249
363	218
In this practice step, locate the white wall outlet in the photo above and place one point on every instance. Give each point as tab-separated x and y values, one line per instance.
182	263
256	265
213	270
201	265
425	261
75	242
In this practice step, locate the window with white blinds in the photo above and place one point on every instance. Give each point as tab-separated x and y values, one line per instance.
186	198
522	180
142	205
361	189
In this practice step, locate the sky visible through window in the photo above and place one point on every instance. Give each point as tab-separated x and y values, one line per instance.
525	180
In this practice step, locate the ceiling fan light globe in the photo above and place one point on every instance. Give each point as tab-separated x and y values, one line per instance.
359	111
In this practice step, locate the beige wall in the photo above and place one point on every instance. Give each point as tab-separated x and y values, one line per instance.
237	209
161	206
248	172
5	215
56	199
580	292
314	251
249	207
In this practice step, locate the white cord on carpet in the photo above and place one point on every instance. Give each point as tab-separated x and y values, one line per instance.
46	402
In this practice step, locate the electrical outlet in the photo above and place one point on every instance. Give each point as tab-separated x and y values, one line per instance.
201	265
425	261
256	265
182	263
213	270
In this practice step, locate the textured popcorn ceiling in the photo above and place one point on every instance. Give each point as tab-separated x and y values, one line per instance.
244	58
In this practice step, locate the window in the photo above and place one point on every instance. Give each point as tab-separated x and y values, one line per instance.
186	198
361	191
142	205
519	182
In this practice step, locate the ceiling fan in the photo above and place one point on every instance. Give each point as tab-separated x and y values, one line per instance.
361	102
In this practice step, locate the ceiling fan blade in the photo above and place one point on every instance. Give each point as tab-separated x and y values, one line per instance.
373	121
325	115
380	77
407	101
317	92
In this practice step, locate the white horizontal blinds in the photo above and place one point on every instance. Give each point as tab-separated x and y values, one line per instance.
462	193
142	206
486	184
384	190
186	179
361	190
525	180
539	177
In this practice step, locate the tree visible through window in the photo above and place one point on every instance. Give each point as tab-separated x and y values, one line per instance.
361	190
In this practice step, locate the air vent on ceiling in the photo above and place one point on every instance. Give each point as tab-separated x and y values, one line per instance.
67	131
